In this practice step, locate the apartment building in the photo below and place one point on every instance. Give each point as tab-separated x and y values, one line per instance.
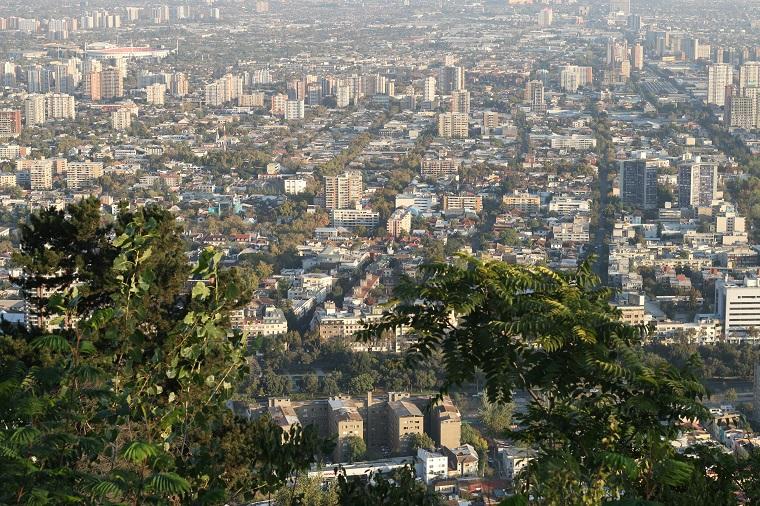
523	202
439	167
80	173
343	191
469	202
400	222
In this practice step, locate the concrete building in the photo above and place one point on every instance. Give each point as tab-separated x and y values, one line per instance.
439	167
111	83
460	101
572	77
121	119
638	183
453	125
353	218
471	202
343	191
279	103
719	76
399	222
522	202
40	173
431	466
737	304
34	110
534	94
155	93
749	75
80	173
60	106
428	90
294	186
10	123
404	419
450	79
294	110
697	184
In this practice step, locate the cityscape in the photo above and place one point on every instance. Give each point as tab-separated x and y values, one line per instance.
380	252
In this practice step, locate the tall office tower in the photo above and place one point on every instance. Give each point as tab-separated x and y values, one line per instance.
638	56
572	77
92	86
294	110
155	93
545	17
343	95
180	85
749	75
34	110
697	184
121	119
691	48
534	93
719	76
111	83
453	125
634	22
638	184
314	93
214	94
460	101
8	74
10	123
343	191
741	111
390	88
428	91
450	78
60	106
620	7
38	79
297	89
624	69
233	86
737	304
64	79
279	102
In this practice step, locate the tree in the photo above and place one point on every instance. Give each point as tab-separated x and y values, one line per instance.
421	440
471	436
497	417
307	492
355	448
600	419
123	404
400	489
311	384
361	384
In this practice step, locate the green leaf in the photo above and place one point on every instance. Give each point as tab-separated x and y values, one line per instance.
87	348
24	436
168	484
200	291
137	451
52	342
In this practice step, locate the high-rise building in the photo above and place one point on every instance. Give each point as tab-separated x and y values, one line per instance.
8	74
60	106
697	184
737	304
343	191
490	121
741	111
92	85
111	83
450	78
691	48
534	93
294	110
121	119
545	17
180	85
638	56
10	123
453	125
719	76
638	183
279	102
80	173
620	7
749	75
572	77
155	93
40	173
343	95
428	91
460	101
34	110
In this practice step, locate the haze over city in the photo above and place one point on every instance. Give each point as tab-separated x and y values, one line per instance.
380	252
